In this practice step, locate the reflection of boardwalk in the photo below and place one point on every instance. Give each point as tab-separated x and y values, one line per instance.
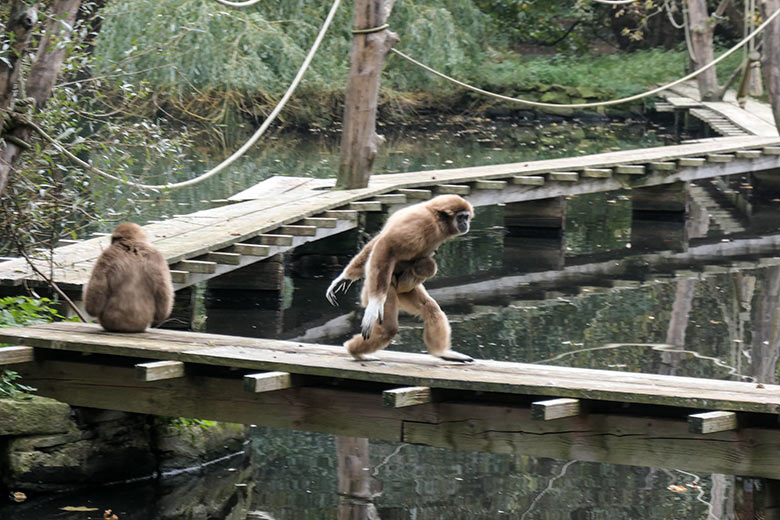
619	417
282	213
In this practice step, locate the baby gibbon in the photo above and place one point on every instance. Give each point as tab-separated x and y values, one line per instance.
395	263
130	287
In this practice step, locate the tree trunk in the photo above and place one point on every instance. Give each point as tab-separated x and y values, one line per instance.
702	31
770	56
20	23
42	75
359	140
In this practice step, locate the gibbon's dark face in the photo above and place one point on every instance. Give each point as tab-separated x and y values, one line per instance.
462	219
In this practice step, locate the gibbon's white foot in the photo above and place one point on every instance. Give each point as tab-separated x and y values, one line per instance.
451	355
341	283
375	310
366	357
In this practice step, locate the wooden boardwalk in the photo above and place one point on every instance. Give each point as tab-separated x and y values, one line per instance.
609	416
283	213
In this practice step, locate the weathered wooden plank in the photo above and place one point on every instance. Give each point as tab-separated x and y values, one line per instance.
597	173
298	231
16	354
222	257
771	150
408	396
454	189
630	169
179	276
391	198
366	205
563	176
691	161
528	180
663	166
341	214
416	193
720	157
159	370
748	154
555	409
268	381
490	185
251	249
320	222
711	422
196	266
275	240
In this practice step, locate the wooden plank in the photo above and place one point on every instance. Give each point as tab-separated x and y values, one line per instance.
267	381
298	231
597	173
341	214
391	198
416	193
320	222
490	185
694	162
222	257
720	157
663	166
630	169
771	150
179	276
196	266
159	370
454	189
711	422
563	176
275	240
555	409
251	249
528	180
748	154
366	205
408	396
16	354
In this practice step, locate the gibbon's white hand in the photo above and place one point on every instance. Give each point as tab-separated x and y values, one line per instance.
339	284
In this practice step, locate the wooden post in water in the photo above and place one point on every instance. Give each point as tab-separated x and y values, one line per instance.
359	140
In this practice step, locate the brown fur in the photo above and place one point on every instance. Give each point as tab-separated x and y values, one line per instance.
395	264
130	287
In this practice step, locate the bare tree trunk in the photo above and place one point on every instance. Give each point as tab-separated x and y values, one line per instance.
20	23
359	140
354	479
43	73
702	31
770	56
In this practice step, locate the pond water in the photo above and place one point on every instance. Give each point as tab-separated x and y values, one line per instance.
609	295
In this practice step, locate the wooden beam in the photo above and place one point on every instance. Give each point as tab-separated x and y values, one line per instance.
711	422
720	157
630	169
490	185
275	240
341	214
366	205
251	249
748	154
663	166
268	381
407	396
391	198
771	150
455	189
298	231
320	222
528	180
158	370
16	354
222	257
179	276
196	266
555	409
564	176
597	173
691	161
415	193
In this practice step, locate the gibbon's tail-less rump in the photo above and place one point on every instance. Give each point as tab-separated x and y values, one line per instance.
130	286
395	263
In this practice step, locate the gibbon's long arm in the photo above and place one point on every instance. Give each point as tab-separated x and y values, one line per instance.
354	271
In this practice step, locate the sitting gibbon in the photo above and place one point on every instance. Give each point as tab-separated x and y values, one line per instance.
130	287
395	263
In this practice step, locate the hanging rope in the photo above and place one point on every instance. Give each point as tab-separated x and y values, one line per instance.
238	153
600	103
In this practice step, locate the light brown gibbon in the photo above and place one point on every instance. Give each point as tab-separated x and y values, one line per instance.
396	262
130	286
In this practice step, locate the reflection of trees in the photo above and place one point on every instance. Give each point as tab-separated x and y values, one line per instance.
765	344
356	500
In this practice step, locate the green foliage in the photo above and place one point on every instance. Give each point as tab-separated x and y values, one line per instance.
19	311
10	389
185	423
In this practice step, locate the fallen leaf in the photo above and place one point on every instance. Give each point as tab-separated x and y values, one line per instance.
677	489
18	496
78	508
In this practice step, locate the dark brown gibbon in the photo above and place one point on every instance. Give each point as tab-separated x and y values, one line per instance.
395	263
130	286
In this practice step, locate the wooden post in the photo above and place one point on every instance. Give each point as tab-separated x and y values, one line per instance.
536	218
359	139
770	56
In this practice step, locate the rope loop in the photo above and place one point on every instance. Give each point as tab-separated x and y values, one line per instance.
371	29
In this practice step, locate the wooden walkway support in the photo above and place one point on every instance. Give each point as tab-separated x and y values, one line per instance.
601	416
283	213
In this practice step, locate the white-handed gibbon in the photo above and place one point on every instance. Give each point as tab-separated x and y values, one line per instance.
395	263
130	286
